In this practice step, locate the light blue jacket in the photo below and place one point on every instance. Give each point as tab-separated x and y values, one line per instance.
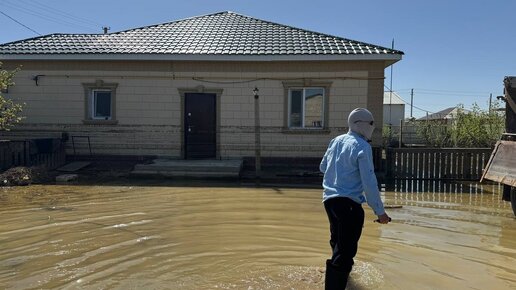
349	172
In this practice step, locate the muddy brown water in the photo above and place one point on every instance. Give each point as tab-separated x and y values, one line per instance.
228	237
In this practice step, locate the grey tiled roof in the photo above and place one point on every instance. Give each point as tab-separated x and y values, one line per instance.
224	33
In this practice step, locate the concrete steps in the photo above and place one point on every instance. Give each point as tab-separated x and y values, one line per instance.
191	168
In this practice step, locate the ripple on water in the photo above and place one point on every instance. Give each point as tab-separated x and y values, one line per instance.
364	276
246	238
286	277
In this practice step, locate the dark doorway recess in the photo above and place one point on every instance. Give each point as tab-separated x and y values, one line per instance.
200	126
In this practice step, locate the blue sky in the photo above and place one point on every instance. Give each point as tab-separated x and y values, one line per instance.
455	51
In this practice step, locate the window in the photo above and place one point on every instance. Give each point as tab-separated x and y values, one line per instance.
306	107
99	103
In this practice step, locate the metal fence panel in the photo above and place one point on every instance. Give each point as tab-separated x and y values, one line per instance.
436	163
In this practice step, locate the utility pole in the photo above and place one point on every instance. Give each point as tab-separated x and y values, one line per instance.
390	89
411	101
490	100
257	145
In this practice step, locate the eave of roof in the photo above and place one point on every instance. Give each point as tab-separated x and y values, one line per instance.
200	57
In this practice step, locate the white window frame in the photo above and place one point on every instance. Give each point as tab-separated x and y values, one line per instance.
303	108
89	103
92	104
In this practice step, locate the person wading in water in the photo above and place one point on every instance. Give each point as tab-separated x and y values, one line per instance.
349	180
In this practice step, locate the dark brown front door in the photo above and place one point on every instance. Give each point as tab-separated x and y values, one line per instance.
200	126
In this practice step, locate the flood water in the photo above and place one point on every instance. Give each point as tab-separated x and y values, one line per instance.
172	236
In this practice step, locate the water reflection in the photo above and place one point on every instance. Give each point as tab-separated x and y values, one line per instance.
468	196
182	237
444	186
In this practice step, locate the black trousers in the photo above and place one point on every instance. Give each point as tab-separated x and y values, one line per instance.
346	221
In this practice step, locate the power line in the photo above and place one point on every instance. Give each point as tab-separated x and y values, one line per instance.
62	13
448	92
390	89
407	103
20	23
436	92
46	16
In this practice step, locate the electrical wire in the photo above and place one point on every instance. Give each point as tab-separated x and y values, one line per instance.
62	13
416	107
212	81
46	16
20	23
446	94
449	93
407	103
446	91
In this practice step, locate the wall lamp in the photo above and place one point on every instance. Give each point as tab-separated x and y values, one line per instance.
255	92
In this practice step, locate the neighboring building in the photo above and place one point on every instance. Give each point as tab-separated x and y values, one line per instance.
445	116
184	89
393	109
442	119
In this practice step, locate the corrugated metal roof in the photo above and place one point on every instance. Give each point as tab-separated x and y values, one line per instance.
220	34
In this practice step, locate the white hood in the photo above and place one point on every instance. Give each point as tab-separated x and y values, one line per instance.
359	121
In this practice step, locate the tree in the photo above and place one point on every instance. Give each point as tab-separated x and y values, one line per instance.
474	128
436	133
386	135
478	128
9	110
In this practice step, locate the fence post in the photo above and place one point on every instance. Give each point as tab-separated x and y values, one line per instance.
388	167
420	164
410	167
2	155
401	133
431	165
467	165
434	164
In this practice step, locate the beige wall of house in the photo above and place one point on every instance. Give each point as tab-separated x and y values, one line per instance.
148	103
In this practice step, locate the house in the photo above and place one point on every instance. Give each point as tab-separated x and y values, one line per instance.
184	89
445	116
393	109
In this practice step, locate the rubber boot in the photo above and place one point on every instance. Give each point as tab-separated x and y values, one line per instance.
335	279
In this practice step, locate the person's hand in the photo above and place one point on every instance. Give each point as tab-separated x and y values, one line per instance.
383	219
